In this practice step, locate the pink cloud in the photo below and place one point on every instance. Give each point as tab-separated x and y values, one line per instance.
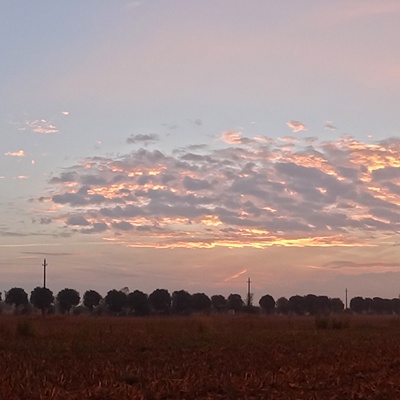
20	153
296	126
41	126
235	276
232	137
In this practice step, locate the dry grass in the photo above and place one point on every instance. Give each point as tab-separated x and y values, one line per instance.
228	357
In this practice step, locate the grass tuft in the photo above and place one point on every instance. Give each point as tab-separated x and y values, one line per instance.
25	329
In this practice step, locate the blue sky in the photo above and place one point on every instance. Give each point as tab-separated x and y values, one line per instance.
192	144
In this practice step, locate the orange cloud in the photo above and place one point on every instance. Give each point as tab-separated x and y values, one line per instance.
296	126
232	137
42	126
235	276
20	153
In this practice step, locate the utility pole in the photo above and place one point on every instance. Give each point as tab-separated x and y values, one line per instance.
346	297
44	273
248	292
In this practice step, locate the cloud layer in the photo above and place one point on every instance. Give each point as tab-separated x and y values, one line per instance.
250	192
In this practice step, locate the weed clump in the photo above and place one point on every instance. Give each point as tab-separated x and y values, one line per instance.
331	322
131	378
25	329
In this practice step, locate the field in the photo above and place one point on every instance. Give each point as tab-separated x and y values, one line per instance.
227	357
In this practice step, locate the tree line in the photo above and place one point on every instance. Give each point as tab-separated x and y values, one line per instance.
180	302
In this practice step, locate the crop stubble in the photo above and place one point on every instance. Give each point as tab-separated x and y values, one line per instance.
199	357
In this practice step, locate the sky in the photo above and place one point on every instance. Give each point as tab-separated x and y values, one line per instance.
193	144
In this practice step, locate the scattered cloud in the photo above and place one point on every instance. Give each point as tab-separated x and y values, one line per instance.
329	126
20	153
232	137
296	126
145	139
41	126
235	276
305	193
346	264
77	220
47	254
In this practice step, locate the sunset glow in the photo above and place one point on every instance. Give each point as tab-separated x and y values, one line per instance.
141	149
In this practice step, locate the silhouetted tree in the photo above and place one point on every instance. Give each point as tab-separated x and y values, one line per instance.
369	305
16	297
91	299
376	305
297	304
42	298
336	305
323	305
357	304
138	302
267	303
395	305
235	302
160	301
181	302
379	305
218	302
67	298
116	300
309	304
282	306
201	302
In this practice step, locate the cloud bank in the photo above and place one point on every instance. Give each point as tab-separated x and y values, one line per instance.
250	192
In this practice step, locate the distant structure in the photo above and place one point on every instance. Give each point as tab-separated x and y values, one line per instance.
346	298
249	294
44	272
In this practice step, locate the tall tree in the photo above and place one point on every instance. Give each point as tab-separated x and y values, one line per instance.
297	304
235	302
267	303
116	300
282	306
91	299
358	304
181	302
160	301
16	297
218	302
42	298
67	298
138	302
201	302
309	304
336	305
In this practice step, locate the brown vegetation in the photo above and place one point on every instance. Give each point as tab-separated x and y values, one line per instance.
216	357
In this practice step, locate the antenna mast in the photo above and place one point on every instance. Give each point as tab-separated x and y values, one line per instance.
44	273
